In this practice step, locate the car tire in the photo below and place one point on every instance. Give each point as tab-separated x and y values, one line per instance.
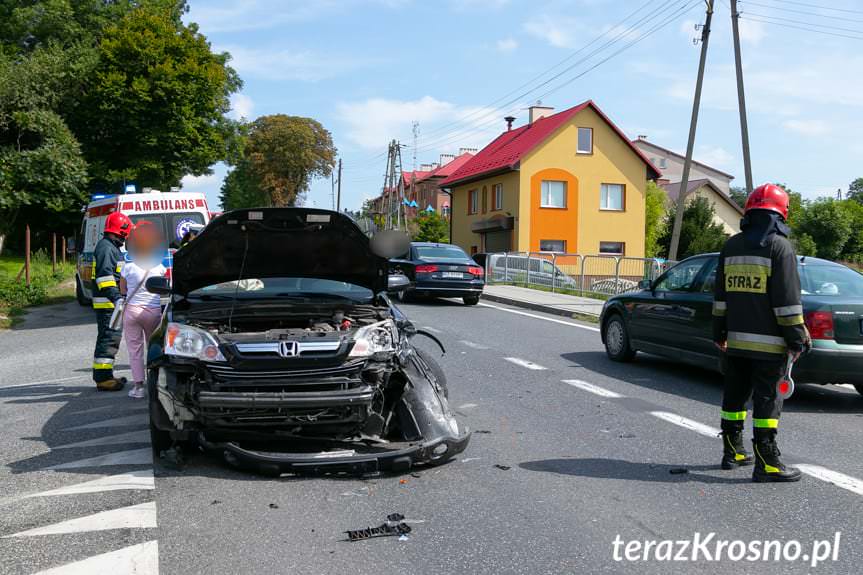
160	439
404	296
83	300
436	370
470	299
859	388
616	338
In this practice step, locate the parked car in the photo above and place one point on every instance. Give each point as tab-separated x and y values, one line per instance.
281	350
512	268
672	317
440	270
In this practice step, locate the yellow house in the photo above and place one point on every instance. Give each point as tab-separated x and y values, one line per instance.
566	182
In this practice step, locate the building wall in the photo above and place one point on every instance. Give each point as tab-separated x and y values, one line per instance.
461	221
612	162
673	170
725	215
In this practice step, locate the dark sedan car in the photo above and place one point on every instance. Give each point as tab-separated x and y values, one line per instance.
672	317
440	270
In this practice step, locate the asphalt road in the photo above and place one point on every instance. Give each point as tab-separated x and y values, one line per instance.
569	452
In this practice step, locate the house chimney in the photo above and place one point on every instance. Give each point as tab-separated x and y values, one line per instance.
425	167
462	151
509	120
642	137
537	112
446	159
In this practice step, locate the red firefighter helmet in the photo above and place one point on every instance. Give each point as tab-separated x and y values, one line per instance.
118	223
769	197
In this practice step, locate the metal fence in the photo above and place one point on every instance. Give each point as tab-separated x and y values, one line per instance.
575	274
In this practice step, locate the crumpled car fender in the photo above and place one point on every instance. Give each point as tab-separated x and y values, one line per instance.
424	412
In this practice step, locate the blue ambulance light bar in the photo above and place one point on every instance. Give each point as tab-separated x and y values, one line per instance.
95	197
130	188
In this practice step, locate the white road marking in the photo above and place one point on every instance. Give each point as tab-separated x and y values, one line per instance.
47	381
141	559
525	363
133	480
142	436
127	408
143	456
472	344
594	389
431	329
838	479
466	405
142	516
524	313
686	423
117	421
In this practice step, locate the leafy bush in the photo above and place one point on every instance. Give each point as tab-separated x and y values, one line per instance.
17	295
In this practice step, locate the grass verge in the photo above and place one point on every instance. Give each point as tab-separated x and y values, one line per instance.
47	286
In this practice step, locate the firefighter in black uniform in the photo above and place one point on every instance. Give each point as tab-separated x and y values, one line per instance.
758	322
107	265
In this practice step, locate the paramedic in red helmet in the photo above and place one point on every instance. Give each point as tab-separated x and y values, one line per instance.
107	265
757	322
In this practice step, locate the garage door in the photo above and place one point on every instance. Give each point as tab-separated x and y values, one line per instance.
498	241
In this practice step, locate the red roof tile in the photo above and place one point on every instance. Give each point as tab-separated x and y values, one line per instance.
507	150
451	167
420	176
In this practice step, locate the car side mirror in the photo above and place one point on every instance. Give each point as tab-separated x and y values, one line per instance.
645	285
397	283
158	286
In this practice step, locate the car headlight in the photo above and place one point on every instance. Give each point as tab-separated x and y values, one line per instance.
187	341
376	338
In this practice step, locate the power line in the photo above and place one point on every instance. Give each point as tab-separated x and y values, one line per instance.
853	30
824	32
822	7
804	12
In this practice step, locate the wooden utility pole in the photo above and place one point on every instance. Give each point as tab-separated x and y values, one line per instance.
690	146
53	252
741	96
339	189
27	255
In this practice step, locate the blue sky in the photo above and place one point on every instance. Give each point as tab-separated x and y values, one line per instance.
367	69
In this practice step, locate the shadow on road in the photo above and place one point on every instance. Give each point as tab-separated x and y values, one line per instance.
668	376
60	315
632	470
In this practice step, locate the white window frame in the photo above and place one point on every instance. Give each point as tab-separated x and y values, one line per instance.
473	201
563	242
603	205
544	190
620	253
578	148
497	197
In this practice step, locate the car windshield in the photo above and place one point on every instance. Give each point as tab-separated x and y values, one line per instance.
830	281
172	226
438	253
283	287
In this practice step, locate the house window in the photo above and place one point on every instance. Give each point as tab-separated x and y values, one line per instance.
497	197
484	199
663	163
585	140
552	246
472	201
612	197
612	248
553	194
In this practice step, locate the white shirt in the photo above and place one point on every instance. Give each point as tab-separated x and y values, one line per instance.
134	275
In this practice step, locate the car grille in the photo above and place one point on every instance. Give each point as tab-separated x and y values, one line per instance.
344	376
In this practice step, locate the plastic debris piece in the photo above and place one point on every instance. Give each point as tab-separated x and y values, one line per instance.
678	471
403	537
503	467
273	506
402	481
482	431
215	502
395	517
384	530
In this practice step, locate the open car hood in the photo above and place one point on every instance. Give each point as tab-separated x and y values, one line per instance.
279	242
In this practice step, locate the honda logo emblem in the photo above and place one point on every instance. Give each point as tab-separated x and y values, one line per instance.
289	349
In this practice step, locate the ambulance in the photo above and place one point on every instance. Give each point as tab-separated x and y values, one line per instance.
174	214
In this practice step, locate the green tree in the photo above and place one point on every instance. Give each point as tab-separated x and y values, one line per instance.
155	102
828	223
431	227
698	234
855	191
738	195
804	245
852	251
656	201
280	157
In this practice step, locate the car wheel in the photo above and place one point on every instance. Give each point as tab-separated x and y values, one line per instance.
436	370
83	301
160	439
470	299
404	296
616	339
859	388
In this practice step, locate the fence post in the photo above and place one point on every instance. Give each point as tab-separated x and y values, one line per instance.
616	275
553	270
27	255
527	280
506	267
63	249
581	275
53	252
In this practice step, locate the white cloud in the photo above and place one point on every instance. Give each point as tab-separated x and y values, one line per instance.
714	156
372	123
560	32
807	127
507	45
286	64
241	107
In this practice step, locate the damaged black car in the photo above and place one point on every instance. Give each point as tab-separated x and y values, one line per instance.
281	351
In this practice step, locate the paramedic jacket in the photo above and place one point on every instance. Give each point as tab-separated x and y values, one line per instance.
756	307
107	265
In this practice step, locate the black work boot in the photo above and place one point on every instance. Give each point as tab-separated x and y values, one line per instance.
733	452
113	384
767	465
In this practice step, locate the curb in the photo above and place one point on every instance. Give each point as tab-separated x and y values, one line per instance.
540	307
